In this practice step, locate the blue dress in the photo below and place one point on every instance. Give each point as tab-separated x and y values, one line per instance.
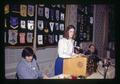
58	66
65	49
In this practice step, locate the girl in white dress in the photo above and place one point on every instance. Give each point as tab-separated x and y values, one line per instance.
65	48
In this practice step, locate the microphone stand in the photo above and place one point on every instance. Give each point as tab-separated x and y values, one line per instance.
106	64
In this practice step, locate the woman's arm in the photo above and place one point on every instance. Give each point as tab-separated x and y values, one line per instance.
40	74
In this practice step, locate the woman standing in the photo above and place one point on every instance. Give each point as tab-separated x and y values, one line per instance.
65	48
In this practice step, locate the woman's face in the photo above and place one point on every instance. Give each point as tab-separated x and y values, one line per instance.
92	48
71	33
29	58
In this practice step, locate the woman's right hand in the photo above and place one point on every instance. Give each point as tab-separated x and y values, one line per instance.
74	56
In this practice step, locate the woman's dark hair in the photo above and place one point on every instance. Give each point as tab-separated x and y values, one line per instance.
91	45
96	52
27	51
66	33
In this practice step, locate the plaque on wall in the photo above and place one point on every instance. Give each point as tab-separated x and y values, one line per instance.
6	9
46	12
88	37
13	22
62	27
23	10
40	11
40	39
40	24
57	15
56	38
60	37
81	36
62	16
91	20
51	39
51	26
29	37
22	24
22	38
52	14
46	39
31	10
12	37
84	35
30	24
57	26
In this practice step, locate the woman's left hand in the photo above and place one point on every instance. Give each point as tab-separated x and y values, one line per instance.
74	56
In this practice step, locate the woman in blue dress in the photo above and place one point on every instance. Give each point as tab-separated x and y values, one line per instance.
65	48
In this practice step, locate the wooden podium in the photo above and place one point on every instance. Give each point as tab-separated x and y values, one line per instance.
75	66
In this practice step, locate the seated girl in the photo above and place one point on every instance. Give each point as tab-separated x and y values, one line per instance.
27	68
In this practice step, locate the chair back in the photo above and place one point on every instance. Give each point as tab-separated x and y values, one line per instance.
16	76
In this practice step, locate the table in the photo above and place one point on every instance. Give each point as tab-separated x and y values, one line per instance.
61	76
64	76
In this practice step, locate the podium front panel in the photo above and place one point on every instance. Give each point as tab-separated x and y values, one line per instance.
75	66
